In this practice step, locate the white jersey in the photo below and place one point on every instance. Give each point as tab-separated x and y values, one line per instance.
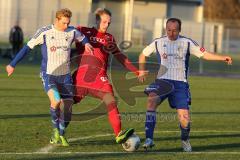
174	55
55	48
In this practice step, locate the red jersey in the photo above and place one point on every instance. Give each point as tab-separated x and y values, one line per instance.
103	44
92	70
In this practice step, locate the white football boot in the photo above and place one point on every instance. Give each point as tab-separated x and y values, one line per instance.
186	146
148	144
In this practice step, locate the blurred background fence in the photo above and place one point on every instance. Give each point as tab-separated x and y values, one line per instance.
138	21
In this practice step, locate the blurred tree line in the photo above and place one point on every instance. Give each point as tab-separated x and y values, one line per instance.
226	11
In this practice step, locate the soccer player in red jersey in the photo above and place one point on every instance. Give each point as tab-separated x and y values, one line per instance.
91	76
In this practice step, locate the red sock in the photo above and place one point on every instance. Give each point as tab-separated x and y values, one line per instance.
114	117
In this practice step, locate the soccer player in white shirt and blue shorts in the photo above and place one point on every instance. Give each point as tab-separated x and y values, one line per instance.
173	51
55	41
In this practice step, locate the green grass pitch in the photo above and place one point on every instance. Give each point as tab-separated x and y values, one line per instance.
25	126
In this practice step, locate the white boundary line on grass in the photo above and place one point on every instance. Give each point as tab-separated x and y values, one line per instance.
112	153
50	147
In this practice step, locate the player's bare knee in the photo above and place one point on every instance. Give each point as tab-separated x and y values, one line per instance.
108	99
184	120
55	104
152	102
54	97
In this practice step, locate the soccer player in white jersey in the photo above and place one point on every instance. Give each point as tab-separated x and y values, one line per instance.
173	51
55	41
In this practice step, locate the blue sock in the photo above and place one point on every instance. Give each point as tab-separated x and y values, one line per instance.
65	118
55	117
150	123
61	127
185	132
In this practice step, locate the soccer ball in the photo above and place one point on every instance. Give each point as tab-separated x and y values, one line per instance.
132	143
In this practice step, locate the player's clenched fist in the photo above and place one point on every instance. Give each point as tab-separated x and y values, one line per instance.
142	75
228	60
9	69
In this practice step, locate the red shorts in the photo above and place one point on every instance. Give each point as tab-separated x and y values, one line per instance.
96	87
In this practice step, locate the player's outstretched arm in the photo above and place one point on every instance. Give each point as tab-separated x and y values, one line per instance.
126	62
20	55
216	57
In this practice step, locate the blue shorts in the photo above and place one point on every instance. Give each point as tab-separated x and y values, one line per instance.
61	84
179	97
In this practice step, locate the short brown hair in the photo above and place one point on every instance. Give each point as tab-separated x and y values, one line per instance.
101	11
65	12
175	20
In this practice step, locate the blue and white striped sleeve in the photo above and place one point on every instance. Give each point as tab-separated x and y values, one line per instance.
147	51
80	37
20	55
37	39
196	50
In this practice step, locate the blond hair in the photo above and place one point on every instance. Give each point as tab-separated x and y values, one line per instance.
65	12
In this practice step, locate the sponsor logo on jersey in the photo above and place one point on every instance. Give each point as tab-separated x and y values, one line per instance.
64	48
176	56
97	39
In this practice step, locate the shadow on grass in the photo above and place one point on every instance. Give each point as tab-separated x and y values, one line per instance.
98	113
198	137
117	155
84	143
174	152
